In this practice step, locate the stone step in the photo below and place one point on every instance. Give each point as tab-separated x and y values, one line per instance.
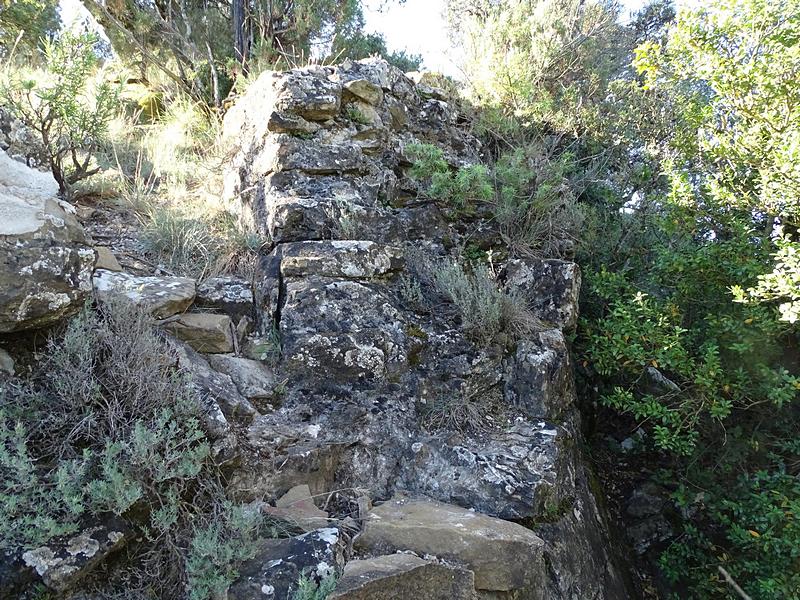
504	556
403	577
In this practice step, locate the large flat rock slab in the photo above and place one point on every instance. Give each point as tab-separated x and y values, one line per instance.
161	296
340	258
504	556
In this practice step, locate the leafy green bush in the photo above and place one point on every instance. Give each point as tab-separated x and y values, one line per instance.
463	190
36	504
750	530
535	207
70	116
218	547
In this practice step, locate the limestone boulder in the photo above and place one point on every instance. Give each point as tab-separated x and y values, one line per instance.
504	556
511	473
287	153
160	296
275	571
45	259
309	93
403	577
283	122
365	90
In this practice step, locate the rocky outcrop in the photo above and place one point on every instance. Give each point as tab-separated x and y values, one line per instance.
385	395
338	375
45	259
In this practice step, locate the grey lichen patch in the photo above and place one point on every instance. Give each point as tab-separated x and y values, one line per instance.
83	544
64	561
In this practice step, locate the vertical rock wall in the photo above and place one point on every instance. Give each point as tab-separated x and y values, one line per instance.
318	165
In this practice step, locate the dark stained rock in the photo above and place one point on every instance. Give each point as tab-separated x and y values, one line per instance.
232	296
539	376
551	286
62	562
274	572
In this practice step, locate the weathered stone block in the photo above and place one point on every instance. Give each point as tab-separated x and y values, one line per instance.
161	296
45	259
504	556
403	577
205	332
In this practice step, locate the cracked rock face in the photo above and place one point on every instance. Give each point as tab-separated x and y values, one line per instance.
45	259
386	394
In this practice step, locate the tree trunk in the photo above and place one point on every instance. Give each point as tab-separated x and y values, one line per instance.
240	36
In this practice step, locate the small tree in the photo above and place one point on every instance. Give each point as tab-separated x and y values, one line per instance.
70	118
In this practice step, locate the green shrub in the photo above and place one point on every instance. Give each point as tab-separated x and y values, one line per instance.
218	547
309	589
463	190
486	310
126	439
69	116
37	503
536	208
354	114
751	531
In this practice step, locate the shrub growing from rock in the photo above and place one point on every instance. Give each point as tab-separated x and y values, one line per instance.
110	425
70	118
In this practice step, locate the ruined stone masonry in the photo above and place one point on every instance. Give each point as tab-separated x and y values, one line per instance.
318	165
320	376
